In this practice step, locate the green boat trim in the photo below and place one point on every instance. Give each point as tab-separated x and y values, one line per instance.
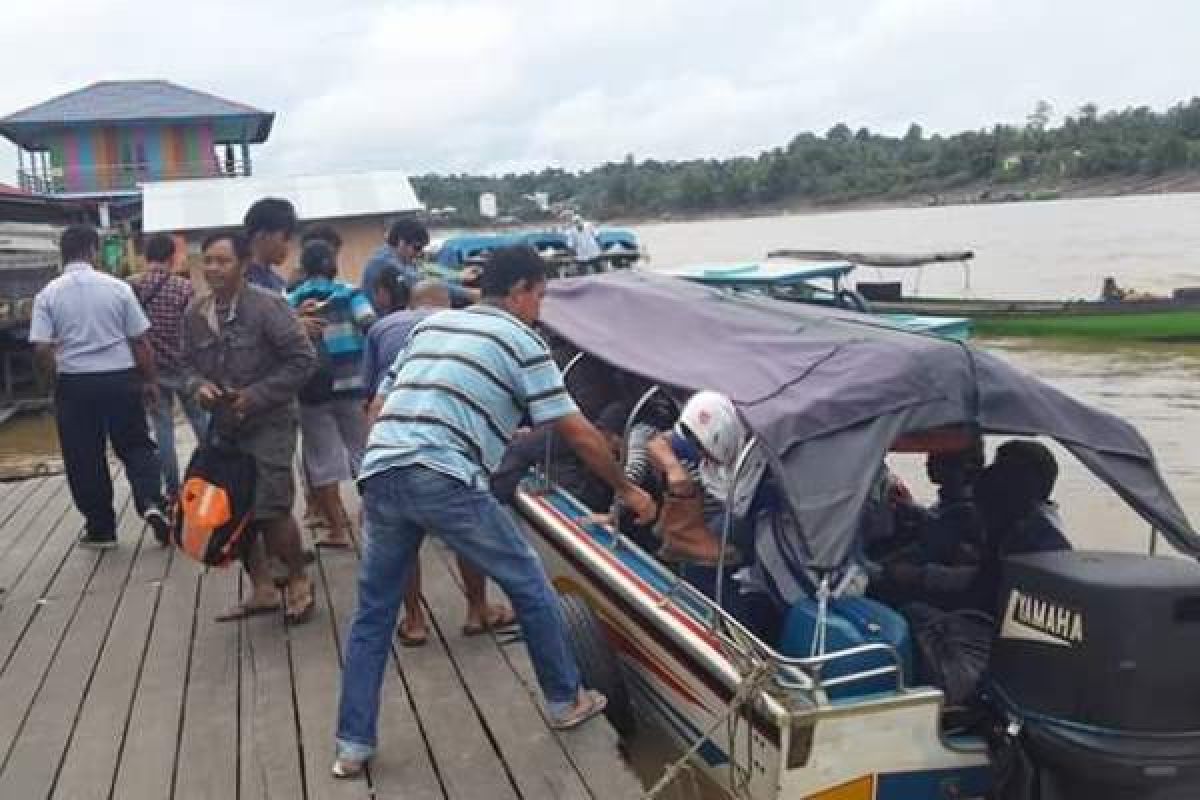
1149	326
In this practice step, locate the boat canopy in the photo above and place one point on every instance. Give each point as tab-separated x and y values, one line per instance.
899	260
755	276
830	392
457	251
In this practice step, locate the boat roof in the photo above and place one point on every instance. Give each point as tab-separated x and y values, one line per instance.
759	276
883	260
829	391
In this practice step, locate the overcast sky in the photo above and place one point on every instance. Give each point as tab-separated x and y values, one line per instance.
521	84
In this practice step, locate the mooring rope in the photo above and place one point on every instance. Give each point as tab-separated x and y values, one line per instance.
752	682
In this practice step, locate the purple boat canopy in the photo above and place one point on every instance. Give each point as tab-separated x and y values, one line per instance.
828	392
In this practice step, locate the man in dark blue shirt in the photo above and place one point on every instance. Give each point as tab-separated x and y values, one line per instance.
269	225
406	240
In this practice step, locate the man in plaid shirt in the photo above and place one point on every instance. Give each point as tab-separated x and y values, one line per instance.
165	296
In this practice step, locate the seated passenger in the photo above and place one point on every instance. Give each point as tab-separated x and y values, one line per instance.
1017	516
953	644
695	461
948	534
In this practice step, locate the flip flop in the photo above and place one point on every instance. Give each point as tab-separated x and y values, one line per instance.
408	640
245	611
596	703
346	769
498	617
333	544
302	611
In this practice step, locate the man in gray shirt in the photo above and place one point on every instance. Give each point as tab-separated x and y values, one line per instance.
89	332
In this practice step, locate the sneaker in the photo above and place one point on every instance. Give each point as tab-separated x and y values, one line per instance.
98	541
157	521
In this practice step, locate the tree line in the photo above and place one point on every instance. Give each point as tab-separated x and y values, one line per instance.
845	165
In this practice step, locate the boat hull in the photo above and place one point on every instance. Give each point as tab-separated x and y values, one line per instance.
1153	322
885	747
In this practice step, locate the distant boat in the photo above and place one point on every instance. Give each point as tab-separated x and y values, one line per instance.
1166	319
817	284
619	250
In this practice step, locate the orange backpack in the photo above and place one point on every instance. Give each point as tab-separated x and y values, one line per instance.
213	516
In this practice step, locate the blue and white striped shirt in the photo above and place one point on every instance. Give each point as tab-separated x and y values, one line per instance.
457	393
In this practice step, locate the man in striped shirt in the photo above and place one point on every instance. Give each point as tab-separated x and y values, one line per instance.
446	412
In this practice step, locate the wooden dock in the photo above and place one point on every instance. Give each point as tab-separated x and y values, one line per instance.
115	682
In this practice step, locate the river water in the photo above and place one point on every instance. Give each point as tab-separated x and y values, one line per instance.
1053	249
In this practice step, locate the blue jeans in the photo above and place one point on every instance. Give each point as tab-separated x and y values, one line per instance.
170	387
401	506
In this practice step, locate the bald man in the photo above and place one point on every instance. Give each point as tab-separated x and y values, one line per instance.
401	308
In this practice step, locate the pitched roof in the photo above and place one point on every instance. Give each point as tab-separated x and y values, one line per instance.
133	101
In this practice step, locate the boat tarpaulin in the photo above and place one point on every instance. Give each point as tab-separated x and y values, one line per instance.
827	391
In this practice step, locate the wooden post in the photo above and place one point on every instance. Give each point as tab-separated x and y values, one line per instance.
246	159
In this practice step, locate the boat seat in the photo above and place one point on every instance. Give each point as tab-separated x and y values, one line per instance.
852	621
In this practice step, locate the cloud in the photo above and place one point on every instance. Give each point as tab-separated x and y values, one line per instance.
492	85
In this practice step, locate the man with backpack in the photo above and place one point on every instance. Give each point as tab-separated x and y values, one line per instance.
246	358
164	297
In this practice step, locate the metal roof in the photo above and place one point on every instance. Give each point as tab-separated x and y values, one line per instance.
128	102
190	205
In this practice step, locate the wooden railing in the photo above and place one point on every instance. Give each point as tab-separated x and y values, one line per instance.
124	177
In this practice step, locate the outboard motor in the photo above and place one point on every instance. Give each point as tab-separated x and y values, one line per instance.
1094	676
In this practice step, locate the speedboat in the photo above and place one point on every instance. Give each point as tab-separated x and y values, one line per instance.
1092	660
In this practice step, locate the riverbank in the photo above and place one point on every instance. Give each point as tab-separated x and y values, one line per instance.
977	193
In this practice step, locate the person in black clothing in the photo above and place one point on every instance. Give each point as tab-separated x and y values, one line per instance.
1016	516
947	535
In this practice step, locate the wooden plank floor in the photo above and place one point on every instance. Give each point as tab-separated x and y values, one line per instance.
115	682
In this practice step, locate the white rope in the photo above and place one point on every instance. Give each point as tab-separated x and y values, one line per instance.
751	684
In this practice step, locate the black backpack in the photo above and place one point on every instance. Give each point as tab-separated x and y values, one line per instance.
216	503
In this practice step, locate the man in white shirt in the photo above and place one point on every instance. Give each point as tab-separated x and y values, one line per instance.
89	332
581	238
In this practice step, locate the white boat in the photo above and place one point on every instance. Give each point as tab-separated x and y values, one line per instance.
832	716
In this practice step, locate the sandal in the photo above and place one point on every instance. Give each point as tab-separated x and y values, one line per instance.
497	617
590	704
348	769
247	610
333	544
299	601
407	639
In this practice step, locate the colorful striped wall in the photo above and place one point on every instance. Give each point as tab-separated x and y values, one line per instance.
111	158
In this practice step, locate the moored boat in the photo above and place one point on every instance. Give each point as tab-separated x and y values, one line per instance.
831	708
818	283
619	249
1153	319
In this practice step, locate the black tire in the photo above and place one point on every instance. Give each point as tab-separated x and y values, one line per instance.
599	665
853	300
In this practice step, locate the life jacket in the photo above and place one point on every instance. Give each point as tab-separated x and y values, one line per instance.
212	519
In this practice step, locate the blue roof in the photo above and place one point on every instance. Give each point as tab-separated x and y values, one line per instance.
116	102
